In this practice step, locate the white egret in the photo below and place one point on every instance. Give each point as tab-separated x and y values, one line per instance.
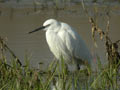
64	41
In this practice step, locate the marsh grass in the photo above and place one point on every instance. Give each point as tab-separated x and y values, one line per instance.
15	76
18	77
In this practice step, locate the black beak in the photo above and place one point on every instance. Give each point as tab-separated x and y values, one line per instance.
40	28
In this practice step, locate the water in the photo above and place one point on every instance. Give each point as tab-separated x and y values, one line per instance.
15	23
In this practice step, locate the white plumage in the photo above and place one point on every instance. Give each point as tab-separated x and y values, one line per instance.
64	42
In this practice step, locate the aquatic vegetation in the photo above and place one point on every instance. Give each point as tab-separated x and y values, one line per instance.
15	76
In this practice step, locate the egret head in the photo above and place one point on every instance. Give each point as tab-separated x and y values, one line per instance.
49	24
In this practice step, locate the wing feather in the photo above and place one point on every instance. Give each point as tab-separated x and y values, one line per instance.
74	43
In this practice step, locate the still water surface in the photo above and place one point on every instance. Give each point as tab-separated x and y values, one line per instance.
15	23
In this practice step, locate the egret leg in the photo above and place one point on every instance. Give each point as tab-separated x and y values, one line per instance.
78	67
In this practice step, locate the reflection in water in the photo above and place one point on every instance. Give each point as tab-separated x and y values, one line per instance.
16	22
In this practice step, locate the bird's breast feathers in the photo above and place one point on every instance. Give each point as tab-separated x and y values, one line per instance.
56	45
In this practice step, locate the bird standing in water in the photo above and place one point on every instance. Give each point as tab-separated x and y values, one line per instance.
64	42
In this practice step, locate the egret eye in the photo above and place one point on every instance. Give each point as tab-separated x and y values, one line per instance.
48	25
